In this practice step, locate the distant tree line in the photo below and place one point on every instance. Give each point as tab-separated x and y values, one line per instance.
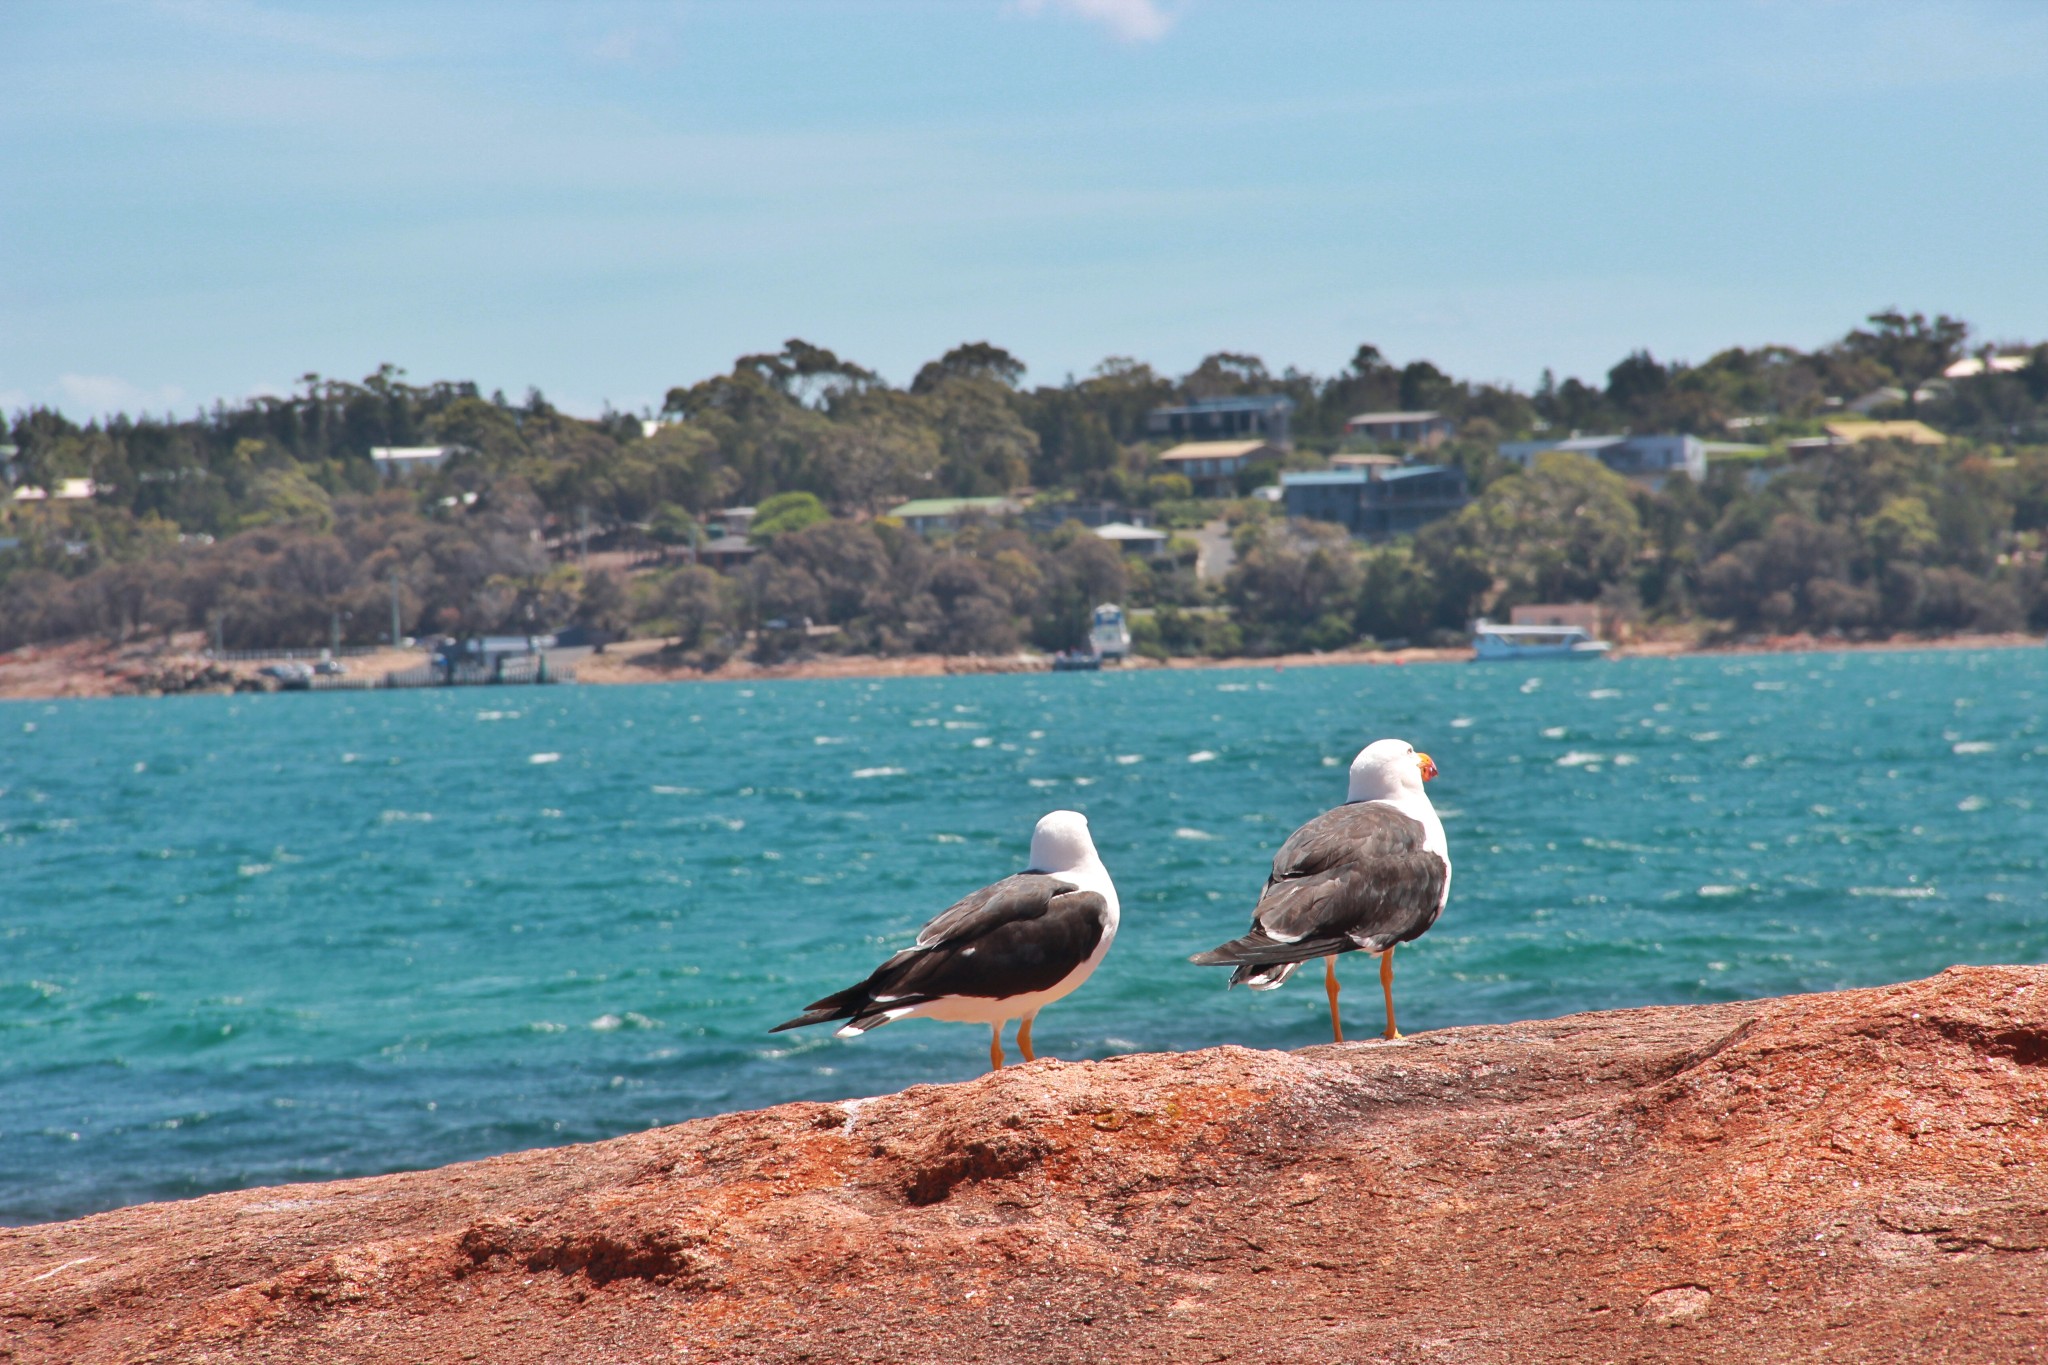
267	522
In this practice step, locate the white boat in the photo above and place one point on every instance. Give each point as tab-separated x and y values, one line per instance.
1493	641
1108	636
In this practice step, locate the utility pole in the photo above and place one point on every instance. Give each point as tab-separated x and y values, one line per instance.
394	610
334	632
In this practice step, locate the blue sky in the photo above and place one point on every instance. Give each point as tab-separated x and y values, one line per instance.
202	199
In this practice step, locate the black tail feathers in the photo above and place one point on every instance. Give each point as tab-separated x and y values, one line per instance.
847	1004
1257	949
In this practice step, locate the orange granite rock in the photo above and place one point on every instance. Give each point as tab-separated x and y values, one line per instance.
1853	1176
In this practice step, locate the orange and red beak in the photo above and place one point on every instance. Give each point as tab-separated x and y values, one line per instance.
1428	766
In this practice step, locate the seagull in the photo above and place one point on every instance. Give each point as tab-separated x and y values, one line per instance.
1373	873
1003	953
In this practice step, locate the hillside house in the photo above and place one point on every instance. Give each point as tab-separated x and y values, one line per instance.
400	462
1376	504
1146	542
1907	433
1213	466
1262	415
1648	460
937	516
1423	430
67	490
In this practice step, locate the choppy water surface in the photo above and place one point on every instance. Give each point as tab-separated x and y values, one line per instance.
255	939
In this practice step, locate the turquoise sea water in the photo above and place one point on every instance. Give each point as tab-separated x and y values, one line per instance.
257	939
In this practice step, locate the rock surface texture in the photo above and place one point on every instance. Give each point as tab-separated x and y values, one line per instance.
1854	1176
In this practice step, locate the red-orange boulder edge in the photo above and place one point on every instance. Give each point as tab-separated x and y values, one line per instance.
1854	1176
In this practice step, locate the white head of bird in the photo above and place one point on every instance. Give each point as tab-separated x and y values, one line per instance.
1060	843
1387	770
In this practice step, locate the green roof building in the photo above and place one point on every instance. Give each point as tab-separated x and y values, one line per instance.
930	516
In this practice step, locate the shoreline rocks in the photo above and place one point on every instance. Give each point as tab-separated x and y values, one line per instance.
1861	1175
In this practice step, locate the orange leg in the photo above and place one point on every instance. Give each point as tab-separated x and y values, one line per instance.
1330	984
995	1048
1024	1039
1387	989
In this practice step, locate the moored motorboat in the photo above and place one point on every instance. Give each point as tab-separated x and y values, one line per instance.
1492	641
1108	636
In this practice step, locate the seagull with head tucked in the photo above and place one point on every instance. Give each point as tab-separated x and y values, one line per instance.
1003	953
1372	873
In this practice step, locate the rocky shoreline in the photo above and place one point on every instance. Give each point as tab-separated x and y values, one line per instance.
1860	1175
83	668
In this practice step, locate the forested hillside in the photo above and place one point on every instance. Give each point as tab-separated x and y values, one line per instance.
267	522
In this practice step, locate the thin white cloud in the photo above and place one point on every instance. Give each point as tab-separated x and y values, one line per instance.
102	394
1130	21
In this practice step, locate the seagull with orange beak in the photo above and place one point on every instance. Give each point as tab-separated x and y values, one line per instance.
1372	873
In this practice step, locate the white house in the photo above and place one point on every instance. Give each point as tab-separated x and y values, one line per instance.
1143	541
1648	460
67	490
1425	429
1971	366
397	462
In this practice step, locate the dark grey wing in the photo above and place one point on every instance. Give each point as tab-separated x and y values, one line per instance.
1354	877
1021	896
1034	948
1359	871
1025	933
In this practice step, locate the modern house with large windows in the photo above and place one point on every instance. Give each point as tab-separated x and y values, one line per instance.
1373	503
1262	415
